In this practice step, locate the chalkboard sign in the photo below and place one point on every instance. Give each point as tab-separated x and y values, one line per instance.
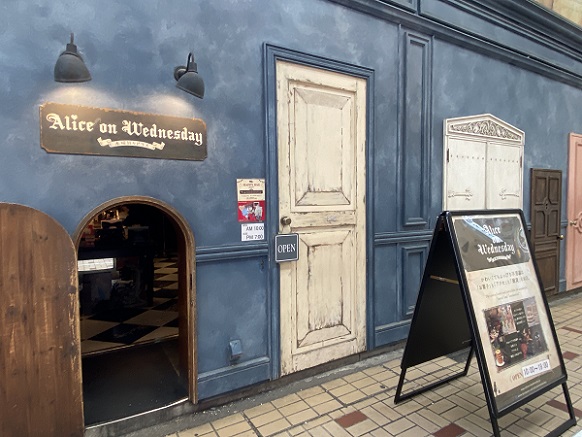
481	291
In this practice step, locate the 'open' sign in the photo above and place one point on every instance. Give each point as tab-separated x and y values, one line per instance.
286	247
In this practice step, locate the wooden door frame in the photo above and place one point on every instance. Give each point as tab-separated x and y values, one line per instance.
187	270
272	54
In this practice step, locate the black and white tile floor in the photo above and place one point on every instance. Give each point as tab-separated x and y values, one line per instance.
127	326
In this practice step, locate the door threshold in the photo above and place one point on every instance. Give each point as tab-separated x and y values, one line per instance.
139	421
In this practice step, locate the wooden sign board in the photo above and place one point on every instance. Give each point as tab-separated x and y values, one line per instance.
481	290
83	130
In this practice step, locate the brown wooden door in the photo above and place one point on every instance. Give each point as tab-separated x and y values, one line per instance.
546	205
574	234
40	359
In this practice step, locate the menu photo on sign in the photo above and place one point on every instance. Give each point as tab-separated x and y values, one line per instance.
514	329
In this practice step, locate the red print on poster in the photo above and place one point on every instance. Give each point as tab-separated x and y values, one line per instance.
251	211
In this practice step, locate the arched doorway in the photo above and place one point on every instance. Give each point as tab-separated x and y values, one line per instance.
137	304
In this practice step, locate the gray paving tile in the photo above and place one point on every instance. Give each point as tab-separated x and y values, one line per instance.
312	411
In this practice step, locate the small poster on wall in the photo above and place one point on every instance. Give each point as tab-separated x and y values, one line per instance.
251	200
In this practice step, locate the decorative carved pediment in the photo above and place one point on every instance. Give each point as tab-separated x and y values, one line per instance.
485	125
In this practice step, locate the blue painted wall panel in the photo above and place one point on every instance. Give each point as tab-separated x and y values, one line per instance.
467	83
472	19
386	284
131	49
233	305
131	56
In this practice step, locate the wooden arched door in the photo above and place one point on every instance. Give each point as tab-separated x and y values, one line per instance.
39	333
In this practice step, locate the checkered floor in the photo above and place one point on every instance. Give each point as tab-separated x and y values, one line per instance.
127	326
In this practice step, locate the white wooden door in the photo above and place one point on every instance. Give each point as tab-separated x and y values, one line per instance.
321	128
574	233
504	179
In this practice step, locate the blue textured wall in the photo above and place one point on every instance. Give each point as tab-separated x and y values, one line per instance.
131	49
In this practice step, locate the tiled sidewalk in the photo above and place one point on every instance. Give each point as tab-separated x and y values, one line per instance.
362	403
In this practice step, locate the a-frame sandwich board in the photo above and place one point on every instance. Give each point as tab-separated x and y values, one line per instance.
481	292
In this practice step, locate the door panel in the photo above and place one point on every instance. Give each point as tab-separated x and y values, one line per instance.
321	123
40	356
465	174
504	177
332	113
545	208
574	234
325	294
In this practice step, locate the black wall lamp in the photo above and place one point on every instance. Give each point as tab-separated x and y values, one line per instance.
70	66
188	78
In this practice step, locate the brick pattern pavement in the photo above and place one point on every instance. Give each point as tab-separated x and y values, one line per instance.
362	403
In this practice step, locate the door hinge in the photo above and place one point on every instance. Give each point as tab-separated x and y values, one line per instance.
448	155
521	162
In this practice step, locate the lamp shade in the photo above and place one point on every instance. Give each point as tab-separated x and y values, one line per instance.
70	66
188	78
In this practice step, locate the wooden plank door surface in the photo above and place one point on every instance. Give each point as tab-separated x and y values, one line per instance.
546	211
40	358
321	120
574	233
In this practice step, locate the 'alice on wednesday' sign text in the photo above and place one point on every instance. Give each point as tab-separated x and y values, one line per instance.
83	130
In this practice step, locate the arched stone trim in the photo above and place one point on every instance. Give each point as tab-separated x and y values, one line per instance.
188	272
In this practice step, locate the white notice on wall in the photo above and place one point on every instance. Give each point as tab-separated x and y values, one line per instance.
252	231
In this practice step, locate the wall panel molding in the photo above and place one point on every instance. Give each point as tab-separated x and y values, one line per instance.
540	33
221	253
233	377
415	128
413	262
411	5
387	238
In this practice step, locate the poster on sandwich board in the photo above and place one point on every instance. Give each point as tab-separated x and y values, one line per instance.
481	292
511	316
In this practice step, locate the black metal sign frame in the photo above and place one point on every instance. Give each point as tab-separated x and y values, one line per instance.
481	291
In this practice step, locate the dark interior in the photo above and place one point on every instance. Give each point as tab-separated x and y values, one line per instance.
129	291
